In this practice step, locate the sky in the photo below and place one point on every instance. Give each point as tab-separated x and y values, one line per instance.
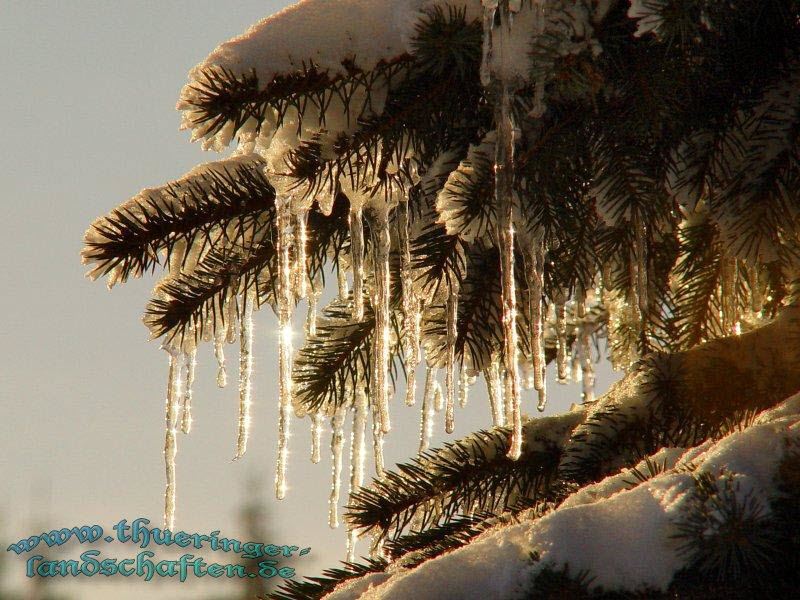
87	112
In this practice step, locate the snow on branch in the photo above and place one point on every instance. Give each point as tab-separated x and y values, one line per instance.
626	534
305	48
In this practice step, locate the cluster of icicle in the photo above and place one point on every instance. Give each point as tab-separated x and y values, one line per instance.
503	378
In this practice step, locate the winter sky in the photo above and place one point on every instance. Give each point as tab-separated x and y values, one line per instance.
87	110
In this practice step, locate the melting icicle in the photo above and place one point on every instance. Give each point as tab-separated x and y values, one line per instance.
230	307
426	421
489	10
561	334
412	316
536	285
316	435
438	396
285	298
452	332
495	389
170	442
574	364
301	244
357	260
382	318
352	538
358	435
245	374
186	402
219	353
357	447
504	200
463	390
585	354
377	443
337	442
341	280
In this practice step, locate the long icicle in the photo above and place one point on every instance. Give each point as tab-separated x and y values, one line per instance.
357	452
337	443
357	260
504	175
382	317
317	419
186	401
171	428
377	443
285	298
230	307
495	389
341	281
561	337
426	421
245	373
452	332
463	387
412	316
219	354
301	262
585	354
536	285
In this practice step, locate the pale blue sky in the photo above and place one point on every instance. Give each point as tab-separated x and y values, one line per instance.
86	106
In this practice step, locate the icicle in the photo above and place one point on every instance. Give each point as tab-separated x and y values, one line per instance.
341	280
426	422
536	286
574	364
186	401
357	260
245	373
285	299
412	316
316	435
230	307
490	7
508	400
382	318
352	538
219	353
463	390
377	443
495	389
561	335
585	354
357	443
301	262
452	332
337	442
438	397
504	174
170	442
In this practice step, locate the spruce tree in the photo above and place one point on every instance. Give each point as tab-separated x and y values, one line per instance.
496	187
